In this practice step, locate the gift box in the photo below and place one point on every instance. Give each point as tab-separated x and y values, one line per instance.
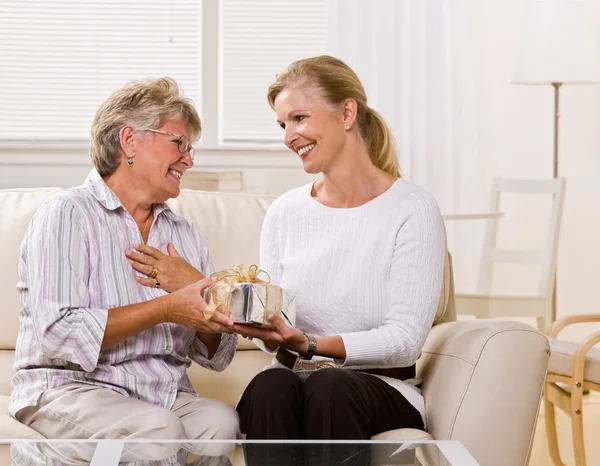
248	299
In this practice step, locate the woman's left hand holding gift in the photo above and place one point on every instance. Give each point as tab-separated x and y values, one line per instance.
280	335
170	271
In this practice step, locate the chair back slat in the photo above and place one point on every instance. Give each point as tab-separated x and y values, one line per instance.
551	186
514	256
545	257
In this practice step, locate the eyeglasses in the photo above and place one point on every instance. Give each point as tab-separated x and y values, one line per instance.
183	143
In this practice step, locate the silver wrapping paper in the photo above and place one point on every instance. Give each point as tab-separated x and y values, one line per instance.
252	303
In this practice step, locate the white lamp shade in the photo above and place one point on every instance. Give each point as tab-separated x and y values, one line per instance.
559	45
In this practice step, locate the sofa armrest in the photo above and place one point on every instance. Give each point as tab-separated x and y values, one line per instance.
482	383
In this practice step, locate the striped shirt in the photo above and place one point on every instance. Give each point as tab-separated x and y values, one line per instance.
73	269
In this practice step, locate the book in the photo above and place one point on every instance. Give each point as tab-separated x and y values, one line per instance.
212	181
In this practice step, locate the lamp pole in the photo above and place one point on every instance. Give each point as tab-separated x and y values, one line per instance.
556	117
555	175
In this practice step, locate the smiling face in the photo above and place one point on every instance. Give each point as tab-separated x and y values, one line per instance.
313	129
158	161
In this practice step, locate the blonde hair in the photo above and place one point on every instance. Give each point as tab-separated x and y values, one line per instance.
335	82
143	104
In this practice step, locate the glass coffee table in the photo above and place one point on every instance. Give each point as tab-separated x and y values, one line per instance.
239	453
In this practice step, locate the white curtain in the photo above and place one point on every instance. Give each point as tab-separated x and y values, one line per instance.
415	59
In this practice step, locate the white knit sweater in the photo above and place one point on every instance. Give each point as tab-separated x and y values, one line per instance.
371	274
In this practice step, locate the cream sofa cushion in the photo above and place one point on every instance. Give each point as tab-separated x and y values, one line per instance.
7	360
563	355
11	428
229	385
230	223
446	311
404	434
17	206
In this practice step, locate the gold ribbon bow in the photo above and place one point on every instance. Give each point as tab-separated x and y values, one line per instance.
219	294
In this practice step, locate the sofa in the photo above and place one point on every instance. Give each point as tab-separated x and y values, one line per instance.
482	379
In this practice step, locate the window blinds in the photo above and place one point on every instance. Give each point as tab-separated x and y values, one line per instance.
59	59
259	39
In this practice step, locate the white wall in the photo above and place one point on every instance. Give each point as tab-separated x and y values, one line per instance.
515	134
263	171
516	141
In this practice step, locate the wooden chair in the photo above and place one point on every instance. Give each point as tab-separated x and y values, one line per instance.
578	367
483	304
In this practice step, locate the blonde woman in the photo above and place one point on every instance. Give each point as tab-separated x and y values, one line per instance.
364	250
100	355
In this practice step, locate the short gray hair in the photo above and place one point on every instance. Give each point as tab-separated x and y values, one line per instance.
144	104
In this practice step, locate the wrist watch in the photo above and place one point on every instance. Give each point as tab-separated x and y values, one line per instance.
312	347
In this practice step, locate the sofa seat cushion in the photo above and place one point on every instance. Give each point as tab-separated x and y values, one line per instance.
229	385
244	344
10	427
403	434
382	453
563	354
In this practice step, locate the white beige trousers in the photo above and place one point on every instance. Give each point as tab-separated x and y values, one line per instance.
82	411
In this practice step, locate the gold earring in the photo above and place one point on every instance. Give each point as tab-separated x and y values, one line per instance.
130	161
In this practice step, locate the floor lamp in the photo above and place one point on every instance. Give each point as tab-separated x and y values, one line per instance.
559	47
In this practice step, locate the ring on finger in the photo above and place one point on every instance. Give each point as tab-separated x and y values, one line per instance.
157	284
153	273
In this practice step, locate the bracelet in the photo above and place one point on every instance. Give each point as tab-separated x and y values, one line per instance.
312	347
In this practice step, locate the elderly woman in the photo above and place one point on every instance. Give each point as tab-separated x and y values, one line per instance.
98	354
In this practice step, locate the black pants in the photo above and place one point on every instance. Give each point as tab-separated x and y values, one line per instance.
335	404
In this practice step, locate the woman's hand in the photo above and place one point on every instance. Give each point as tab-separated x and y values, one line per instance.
186	307
281	335
173	272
